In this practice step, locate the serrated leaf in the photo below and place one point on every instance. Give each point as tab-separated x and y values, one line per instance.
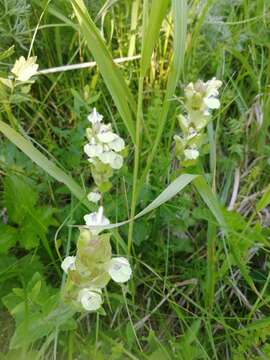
8	237
19	198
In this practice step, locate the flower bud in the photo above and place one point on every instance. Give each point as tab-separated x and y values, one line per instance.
68	264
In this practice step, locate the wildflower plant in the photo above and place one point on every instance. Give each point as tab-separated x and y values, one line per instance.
89	272
200	99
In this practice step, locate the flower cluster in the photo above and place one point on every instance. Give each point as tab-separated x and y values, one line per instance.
93	266
200	99
104	149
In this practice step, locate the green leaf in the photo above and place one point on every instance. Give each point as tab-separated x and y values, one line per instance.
264	201
19	198
157	14
38	313
7	53
110	72
210	199
47	165
8	238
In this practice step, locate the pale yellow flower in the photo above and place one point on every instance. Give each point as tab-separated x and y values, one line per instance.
24	69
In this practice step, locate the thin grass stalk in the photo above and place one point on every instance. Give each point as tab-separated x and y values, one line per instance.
136	164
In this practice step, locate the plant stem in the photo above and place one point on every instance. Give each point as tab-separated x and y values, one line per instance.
136	163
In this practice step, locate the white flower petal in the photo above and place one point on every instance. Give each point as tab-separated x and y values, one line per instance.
24	69
191	154
106	136
116	161
106	157
117	144
93	150
119	269
212	102
94	196
68	264
90	299
95	118
96	219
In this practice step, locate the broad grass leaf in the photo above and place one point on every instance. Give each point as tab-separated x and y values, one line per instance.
157	14
110	72
173	189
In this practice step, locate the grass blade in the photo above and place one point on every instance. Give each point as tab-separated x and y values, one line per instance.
42	161
111	74
157	14
210	199
264	201
180	28
173	189
211	268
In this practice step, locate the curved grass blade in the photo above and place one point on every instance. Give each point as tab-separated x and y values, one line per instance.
171	190
42	161
111	74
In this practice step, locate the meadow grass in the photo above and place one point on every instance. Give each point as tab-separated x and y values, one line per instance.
200	284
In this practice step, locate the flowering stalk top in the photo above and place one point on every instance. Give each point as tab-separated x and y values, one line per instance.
93	266
200	99
24	69
104	145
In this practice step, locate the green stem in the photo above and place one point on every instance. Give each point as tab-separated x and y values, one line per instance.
11	118
136	163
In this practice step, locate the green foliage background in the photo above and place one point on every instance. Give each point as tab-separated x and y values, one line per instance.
198	291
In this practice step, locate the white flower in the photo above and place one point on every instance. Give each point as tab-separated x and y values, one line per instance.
25	69
93	149
96	219
90	299
119	269
110	157
68	264
212	103
105	134
191	154
117	144
95	118
211	100
212	87
94	196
